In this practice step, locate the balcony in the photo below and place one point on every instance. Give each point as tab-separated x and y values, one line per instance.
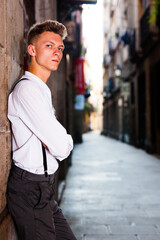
149	34
112	89
113	44
106	60
129	39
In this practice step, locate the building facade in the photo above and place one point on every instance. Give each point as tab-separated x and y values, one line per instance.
131	73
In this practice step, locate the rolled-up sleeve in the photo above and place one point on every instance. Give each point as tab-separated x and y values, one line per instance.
34	110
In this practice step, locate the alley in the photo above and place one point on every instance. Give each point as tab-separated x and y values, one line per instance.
112	191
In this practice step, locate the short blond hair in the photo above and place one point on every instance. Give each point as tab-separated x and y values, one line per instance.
47	26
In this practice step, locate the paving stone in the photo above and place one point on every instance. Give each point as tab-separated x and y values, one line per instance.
131	229
145	221
103	220
153	212
95	237
121	237
149	237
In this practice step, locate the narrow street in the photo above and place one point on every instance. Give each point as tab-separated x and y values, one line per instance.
112	191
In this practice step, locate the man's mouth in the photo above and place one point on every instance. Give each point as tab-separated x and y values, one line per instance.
55	60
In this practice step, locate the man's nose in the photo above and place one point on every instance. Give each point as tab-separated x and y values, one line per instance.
57	51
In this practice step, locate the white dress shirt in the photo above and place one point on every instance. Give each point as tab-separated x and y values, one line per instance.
33	121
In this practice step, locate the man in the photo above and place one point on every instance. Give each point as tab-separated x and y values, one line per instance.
38	139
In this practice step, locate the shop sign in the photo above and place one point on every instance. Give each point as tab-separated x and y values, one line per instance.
78	68
79	102
125	89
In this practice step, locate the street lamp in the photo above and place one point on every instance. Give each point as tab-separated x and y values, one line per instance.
118	71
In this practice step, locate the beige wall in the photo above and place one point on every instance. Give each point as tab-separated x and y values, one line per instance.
11	60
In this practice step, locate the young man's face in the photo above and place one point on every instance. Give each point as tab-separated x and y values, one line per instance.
47	51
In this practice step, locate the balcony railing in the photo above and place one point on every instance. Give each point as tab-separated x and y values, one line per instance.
147	30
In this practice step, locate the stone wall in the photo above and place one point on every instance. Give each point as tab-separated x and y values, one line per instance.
11	61
15	22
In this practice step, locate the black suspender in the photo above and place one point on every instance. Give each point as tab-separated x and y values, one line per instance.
43	148
44	160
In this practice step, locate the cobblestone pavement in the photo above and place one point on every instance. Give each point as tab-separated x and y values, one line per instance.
112	191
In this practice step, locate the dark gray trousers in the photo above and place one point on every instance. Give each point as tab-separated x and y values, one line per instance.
36	215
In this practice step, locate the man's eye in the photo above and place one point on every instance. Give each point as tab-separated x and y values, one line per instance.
60	49
49	46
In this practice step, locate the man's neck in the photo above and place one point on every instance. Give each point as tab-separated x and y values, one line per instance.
42	75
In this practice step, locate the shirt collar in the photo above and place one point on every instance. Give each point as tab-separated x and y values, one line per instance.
33	77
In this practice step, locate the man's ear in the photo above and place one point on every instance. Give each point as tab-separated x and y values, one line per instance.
31	50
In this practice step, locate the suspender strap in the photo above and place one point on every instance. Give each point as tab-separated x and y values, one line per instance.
14	85
43	148
44	160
